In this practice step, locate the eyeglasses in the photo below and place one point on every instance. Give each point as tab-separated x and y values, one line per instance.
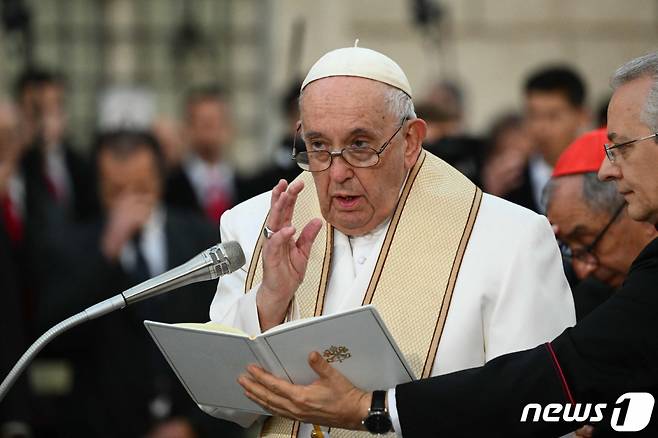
586	253
612	151
357	156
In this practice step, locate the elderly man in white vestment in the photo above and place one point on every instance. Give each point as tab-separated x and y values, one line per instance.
459	277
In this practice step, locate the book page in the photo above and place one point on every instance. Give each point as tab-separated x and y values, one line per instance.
355	342
211	326
208	363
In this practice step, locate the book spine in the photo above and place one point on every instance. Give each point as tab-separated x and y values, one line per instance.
269	359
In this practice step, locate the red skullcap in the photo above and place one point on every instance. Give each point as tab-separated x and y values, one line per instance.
584	155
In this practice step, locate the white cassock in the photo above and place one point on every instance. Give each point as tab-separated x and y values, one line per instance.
511	293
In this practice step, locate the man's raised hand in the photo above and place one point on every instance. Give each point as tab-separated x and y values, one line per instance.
284	258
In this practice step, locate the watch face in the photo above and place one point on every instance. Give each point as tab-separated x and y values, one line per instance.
378	422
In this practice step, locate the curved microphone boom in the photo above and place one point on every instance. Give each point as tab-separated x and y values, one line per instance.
211	264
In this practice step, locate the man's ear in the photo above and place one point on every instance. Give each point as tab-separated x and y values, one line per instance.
415	134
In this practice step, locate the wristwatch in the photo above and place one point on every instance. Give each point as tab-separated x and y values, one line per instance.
378	421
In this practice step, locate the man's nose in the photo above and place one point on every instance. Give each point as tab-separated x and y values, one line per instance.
339	169
608	171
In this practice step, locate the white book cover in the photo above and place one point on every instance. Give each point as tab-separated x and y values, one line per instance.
209	358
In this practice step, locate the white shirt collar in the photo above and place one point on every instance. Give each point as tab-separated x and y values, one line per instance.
57	171
540	172
204	175
152	243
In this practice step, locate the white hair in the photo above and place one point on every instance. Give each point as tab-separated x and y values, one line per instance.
398	102
643	66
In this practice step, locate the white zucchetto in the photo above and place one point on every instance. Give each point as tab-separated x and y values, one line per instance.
360	62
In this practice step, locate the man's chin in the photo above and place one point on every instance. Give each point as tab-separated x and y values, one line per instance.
350	226
640	214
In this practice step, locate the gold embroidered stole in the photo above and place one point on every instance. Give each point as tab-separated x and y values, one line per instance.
415	273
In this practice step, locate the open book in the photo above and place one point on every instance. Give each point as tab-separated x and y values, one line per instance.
209	358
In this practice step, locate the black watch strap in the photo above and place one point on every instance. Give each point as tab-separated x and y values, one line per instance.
378	421
378	402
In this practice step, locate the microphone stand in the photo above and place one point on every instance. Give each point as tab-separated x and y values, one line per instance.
104	307
211	264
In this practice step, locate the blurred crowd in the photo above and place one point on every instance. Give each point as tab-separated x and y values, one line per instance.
75	230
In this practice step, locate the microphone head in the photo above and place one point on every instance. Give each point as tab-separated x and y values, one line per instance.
234	255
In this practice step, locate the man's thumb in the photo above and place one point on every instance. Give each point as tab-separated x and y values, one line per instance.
319	365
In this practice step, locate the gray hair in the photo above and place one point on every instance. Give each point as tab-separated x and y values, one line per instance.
398	102
599	196
646	65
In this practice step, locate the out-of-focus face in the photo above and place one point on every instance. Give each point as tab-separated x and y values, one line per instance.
134	175
340	111
52	114
10	140
553	123
578	226
208	128
634	169
51	98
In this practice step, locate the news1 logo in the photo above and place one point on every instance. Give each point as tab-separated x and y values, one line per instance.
631	412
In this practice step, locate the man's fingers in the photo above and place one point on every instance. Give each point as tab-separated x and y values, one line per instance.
260	394
275	214
276	220
279	188
272	383
320	366
296	188
308	235
282	204
279	243
293	190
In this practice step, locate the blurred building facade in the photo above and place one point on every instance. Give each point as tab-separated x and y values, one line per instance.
254	48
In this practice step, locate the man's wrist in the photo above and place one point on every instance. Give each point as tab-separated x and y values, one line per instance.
362	409
271	310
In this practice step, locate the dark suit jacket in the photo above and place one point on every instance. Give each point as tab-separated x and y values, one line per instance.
13	341
523	195
180	194
282	166
83	197
612	351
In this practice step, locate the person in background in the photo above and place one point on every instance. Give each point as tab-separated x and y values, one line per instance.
205	181
590	220
169	134
555	113
282	165
121	382
447	98
54	172
15	410
446	140
508	148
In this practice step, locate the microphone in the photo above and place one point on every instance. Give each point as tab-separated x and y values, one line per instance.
211	264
